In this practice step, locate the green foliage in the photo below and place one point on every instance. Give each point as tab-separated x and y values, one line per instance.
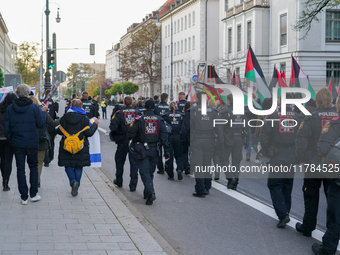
1	78
96	91
78	75
129	89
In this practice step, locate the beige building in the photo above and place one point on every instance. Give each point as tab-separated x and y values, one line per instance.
8	50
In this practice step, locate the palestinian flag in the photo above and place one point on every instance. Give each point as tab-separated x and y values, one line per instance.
277	81
191	94
283	75
238	81
298	79
331	88
254	73
233	79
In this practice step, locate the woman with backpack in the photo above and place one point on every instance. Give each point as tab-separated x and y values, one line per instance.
74	151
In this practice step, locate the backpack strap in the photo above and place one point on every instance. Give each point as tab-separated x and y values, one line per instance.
85	128
64	131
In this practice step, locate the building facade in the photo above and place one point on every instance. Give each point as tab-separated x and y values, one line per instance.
192	41
112	64
267	25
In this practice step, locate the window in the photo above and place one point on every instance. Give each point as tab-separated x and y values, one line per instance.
239	38
193	66
241	1
169	30
229	40
166	51
189	19
249	32
189	43
237	71
177	47
182	68
166	71
193	18
185	22
177	68
169	51
181	23
178	25
193	42
175	27
333	68
169	74
283	29
166	32
185	67
182	46
226	7
174	48
332	25
283	66
174	69
185	45
189	67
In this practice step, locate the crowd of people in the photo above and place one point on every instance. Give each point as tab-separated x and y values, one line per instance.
154	132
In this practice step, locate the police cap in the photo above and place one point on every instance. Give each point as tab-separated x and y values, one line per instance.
150	104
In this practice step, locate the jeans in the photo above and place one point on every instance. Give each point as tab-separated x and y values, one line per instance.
248	150
104	112
74	173
32	161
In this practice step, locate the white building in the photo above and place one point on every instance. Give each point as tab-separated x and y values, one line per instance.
112	64
267	26
8	50
189	40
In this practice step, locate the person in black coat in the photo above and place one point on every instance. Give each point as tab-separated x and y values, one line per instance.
6	148
74	121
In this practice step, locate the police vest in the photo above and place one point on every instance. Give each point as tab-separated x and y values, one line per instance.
175	120
162	108
285	127
202	123
150	128
103	104
87	106
181	105
236	123
141	109
127	115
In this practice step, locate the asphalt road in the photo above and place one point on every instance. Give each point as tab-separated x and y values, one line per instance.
217	224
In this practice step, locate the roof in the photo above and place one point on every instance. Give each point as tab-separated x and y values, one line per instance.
163	10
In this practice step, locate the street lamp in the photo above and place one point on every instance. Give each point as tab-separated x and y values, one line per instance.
159	24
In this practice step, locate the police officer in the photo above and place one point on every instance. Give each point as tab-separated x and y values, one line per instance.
96	107
117	107
160	110
146	132
53	109
329	135
181	102
156	99
120	122
233	139
277	138
87	105
174	118
306	152
68	102
140	107
185	137
103	105
202	134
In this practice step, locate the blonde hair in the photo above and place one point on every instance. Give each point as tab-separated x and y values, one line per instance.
35	100
323	99
173	107
211	102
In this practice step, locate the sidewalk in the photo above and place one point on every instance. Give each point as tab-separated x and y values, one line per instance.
94	222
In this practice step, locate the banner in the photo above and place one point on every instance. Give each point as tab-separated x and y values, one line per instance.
49	96
4	91
95	155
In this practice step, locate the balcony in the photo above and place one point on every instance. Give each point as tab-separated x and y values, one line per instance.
246	6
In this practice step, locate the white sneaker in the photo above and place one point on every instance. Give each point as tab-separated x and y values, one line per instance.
24	202
36	198
257	161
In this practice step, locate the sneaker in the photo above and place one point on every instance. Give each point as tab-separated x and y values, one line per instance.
24	202
46	164
257	161
248	158
74	191
283	221
36	198
317	249
179	174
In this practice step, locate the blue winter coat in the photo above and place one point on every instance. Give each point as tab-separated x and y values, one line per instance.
23	118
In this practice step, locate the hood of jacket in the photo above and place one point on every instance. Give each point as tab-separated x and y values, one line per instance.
21	104
73	117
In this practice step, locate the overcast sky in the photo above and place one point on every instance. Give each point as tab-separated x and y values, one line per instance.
102	22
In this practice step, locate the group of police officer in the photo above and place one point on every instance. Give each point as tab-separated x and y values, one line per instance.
172	128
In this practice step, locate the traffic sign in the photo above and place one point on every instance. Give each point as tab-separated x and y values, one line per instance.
43	71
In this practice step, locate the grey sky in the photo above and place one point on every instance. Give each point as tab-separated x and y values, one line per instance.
102	22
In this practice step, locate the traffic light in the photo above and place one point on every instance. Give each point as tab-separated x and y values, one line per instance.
50	58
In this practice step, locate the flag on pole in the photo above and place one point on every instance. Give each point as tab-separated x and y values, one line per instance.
238	81
331	88
277	81
283	75
254	73
339	89
233	79
299	79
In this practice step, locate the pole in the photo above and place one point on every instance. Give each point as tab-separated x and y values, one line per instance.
206	31
122	79
47	74
171	64
100	81
54	46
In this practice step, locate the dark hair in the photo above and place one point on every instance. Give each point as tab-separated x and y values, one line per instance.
187	106
74	96
7	101
323	99
230	98
128	100
266	104
164	96
140	103
311	102
155	97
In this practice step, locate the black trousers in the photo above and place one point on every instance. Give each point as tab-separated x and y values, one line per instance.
330	239
176	151
120	158
49	154
6	158
281	184
147	167
310	189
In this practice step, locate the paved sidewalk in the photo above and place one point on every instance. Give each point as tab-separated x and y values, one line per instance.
94	222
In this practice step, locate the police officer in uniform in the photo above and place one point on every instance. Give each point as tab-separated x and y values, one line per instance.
331	134
233	138
140	107
87	105
96	107
156	99
120	122
146	132
53	109
181	103
174	118
277	138
117	107
160	110
306	152
202	141
185	137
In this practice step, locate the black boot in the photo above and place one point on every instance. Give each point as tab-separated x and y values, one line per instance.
5	185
